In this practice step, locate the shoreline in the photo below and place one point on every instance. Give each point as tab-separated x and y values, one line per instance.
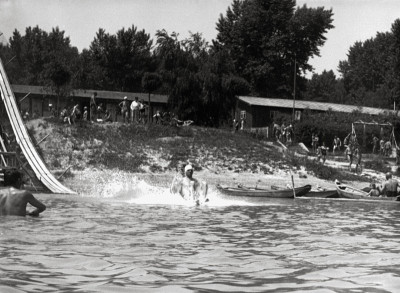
92	180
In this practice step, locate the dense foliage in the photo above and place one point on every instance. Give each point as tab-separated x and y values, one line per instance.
266	39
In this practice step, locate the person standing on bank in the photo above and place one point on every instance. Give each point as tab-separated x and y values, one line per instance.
13	201
93	107
336	144
375	144
135	110
124	110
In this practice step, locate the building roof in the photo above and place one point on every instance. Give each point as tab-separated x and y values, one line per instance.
315	106
39	90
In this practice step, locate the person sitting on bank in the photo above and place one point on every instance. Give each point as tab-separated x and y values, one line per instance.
85	114
13	201
107	116
390	186
158	117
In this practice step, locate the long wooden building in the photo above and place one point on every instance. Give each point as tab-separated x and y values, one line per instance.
260	112
37	101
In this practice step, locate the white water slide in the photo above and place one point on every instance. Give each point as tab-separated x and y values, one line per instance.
41	171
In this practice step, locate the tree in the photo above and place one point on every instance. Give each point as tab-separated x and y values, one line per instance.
396	60
265	38
119	61
321	87
369	74
45	59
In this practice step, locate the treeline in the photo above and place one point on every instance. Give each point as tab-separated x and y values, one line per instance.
262	48
257	46
370	75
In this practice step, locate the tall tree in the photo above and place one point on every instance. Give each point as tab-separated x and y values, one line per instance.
396	60
369	74
265	39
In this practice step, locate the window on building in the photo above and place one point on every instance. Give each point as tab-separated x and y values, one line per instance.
243	115
273	114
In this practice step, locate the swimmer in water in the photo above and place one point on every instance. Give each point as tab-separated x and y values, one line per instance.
190	188
13	201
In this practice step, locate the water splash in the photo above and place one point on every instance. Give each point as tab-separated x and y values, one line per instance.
132	190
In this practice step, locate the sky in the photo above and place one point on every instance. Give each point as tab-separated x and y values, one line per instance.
354	20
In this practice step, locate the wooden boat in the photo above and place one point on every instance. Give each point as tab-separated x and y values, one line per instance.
264	193
332	193
349	192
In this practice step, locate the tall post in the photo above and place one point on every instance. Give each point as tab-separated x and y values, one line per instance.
148	114
294	89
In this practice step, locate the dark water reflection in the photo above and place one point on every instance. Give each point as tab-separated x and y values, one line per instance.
91	245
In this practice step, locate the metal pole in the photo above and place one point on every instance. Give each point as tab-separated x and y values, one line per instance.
294	88
24	97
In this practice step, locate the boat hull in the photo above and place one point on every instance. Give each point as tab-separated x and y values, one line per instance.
322	194
264	193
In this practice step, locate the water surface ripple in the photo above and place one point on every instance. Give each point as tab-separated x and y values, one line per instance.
99	245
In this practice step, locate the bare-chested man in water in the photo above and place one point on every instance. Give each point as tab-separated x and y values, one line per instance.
190	188
390	186
13	201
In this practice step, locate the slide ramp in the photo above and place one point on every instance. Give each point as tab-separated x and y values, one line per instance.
23	139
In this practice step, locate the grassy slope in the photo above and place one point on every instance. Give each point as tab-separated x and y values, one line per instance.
160	149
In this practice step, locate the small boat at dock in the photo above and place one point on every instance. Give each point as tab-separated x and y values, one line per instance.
264	193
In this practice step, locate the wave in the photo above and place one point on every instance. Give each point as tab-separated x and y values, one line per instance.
136	191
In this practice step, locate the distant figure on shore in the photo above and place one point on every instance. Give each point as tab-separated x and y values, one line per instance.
75	113
158	117
242	122
107	116
349	154
347	140
85	114
124	110
276	130
93	107
321	153
235	125
375	144
382	147
357	156
142	111
13	201
100	112
135	110
337	144
390	186
388	148
289	134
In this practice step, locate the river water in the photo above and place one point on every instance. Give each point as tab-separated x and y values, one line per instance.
144	240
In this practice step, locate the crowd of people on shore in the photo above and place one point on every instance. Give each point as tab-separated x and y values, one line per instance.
284	133
135	112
